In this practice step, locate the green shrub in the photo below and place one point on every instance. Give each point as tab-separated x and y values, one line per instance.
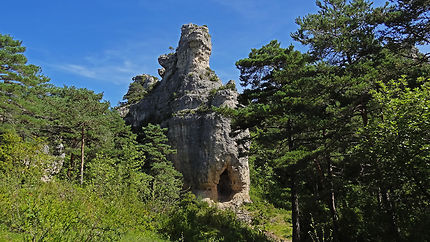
64	212
197	221
23	158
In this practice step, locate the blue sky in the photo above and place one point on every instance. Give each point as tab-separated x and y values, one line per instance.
102	44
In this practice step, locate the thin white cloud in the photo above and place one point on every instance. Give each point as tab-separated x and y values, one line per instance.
77	69
115	66
119	73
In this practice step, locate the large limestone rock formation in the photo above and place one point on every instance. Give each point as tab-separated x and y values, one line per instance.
207	151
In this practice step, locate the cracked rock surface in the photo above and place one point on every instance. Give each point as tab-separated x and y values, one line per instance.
207	151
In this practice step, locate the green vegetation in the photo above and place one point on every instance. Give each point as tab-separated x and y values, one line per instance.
227	86
139	88
197	221
266	217
211	74
340	145
340	134
72	170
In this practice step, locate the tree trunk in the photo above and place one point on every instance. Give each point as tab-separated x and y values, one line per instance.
332	203
295	210
391	212
364	116
82	153
363	111
294	198
379	198
71	166
331	198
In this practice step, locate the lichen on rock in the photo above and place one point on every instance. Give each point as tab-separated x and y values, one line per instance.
207	151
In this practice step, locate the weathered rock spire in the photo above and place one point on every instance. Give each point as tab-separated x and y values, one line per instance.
207	154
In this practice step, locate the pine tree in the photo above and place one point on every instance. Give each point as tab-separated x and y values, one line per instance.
406	25
282	108
166	182
79	117
21	86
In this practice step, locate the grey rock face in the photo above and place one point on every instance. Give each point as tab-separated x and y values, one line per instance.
207	153
54	167
147	80
146	83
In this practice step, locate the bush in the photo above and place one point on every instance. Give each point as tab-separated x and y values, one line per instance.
65	212
23	158
197	221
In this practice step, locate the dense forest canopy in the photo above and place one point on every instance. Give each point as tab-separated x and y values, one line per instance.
342	131
340	143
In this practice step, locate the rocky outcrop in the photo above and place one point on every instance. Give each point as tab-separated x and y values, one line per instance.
146	81
207	151
138	89
54	166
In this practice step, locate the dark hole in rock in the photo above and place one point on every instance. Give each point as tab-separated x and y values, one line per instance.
224	187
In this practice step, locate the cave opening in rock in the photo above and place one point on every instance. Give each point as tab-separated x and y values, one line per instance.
224	187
